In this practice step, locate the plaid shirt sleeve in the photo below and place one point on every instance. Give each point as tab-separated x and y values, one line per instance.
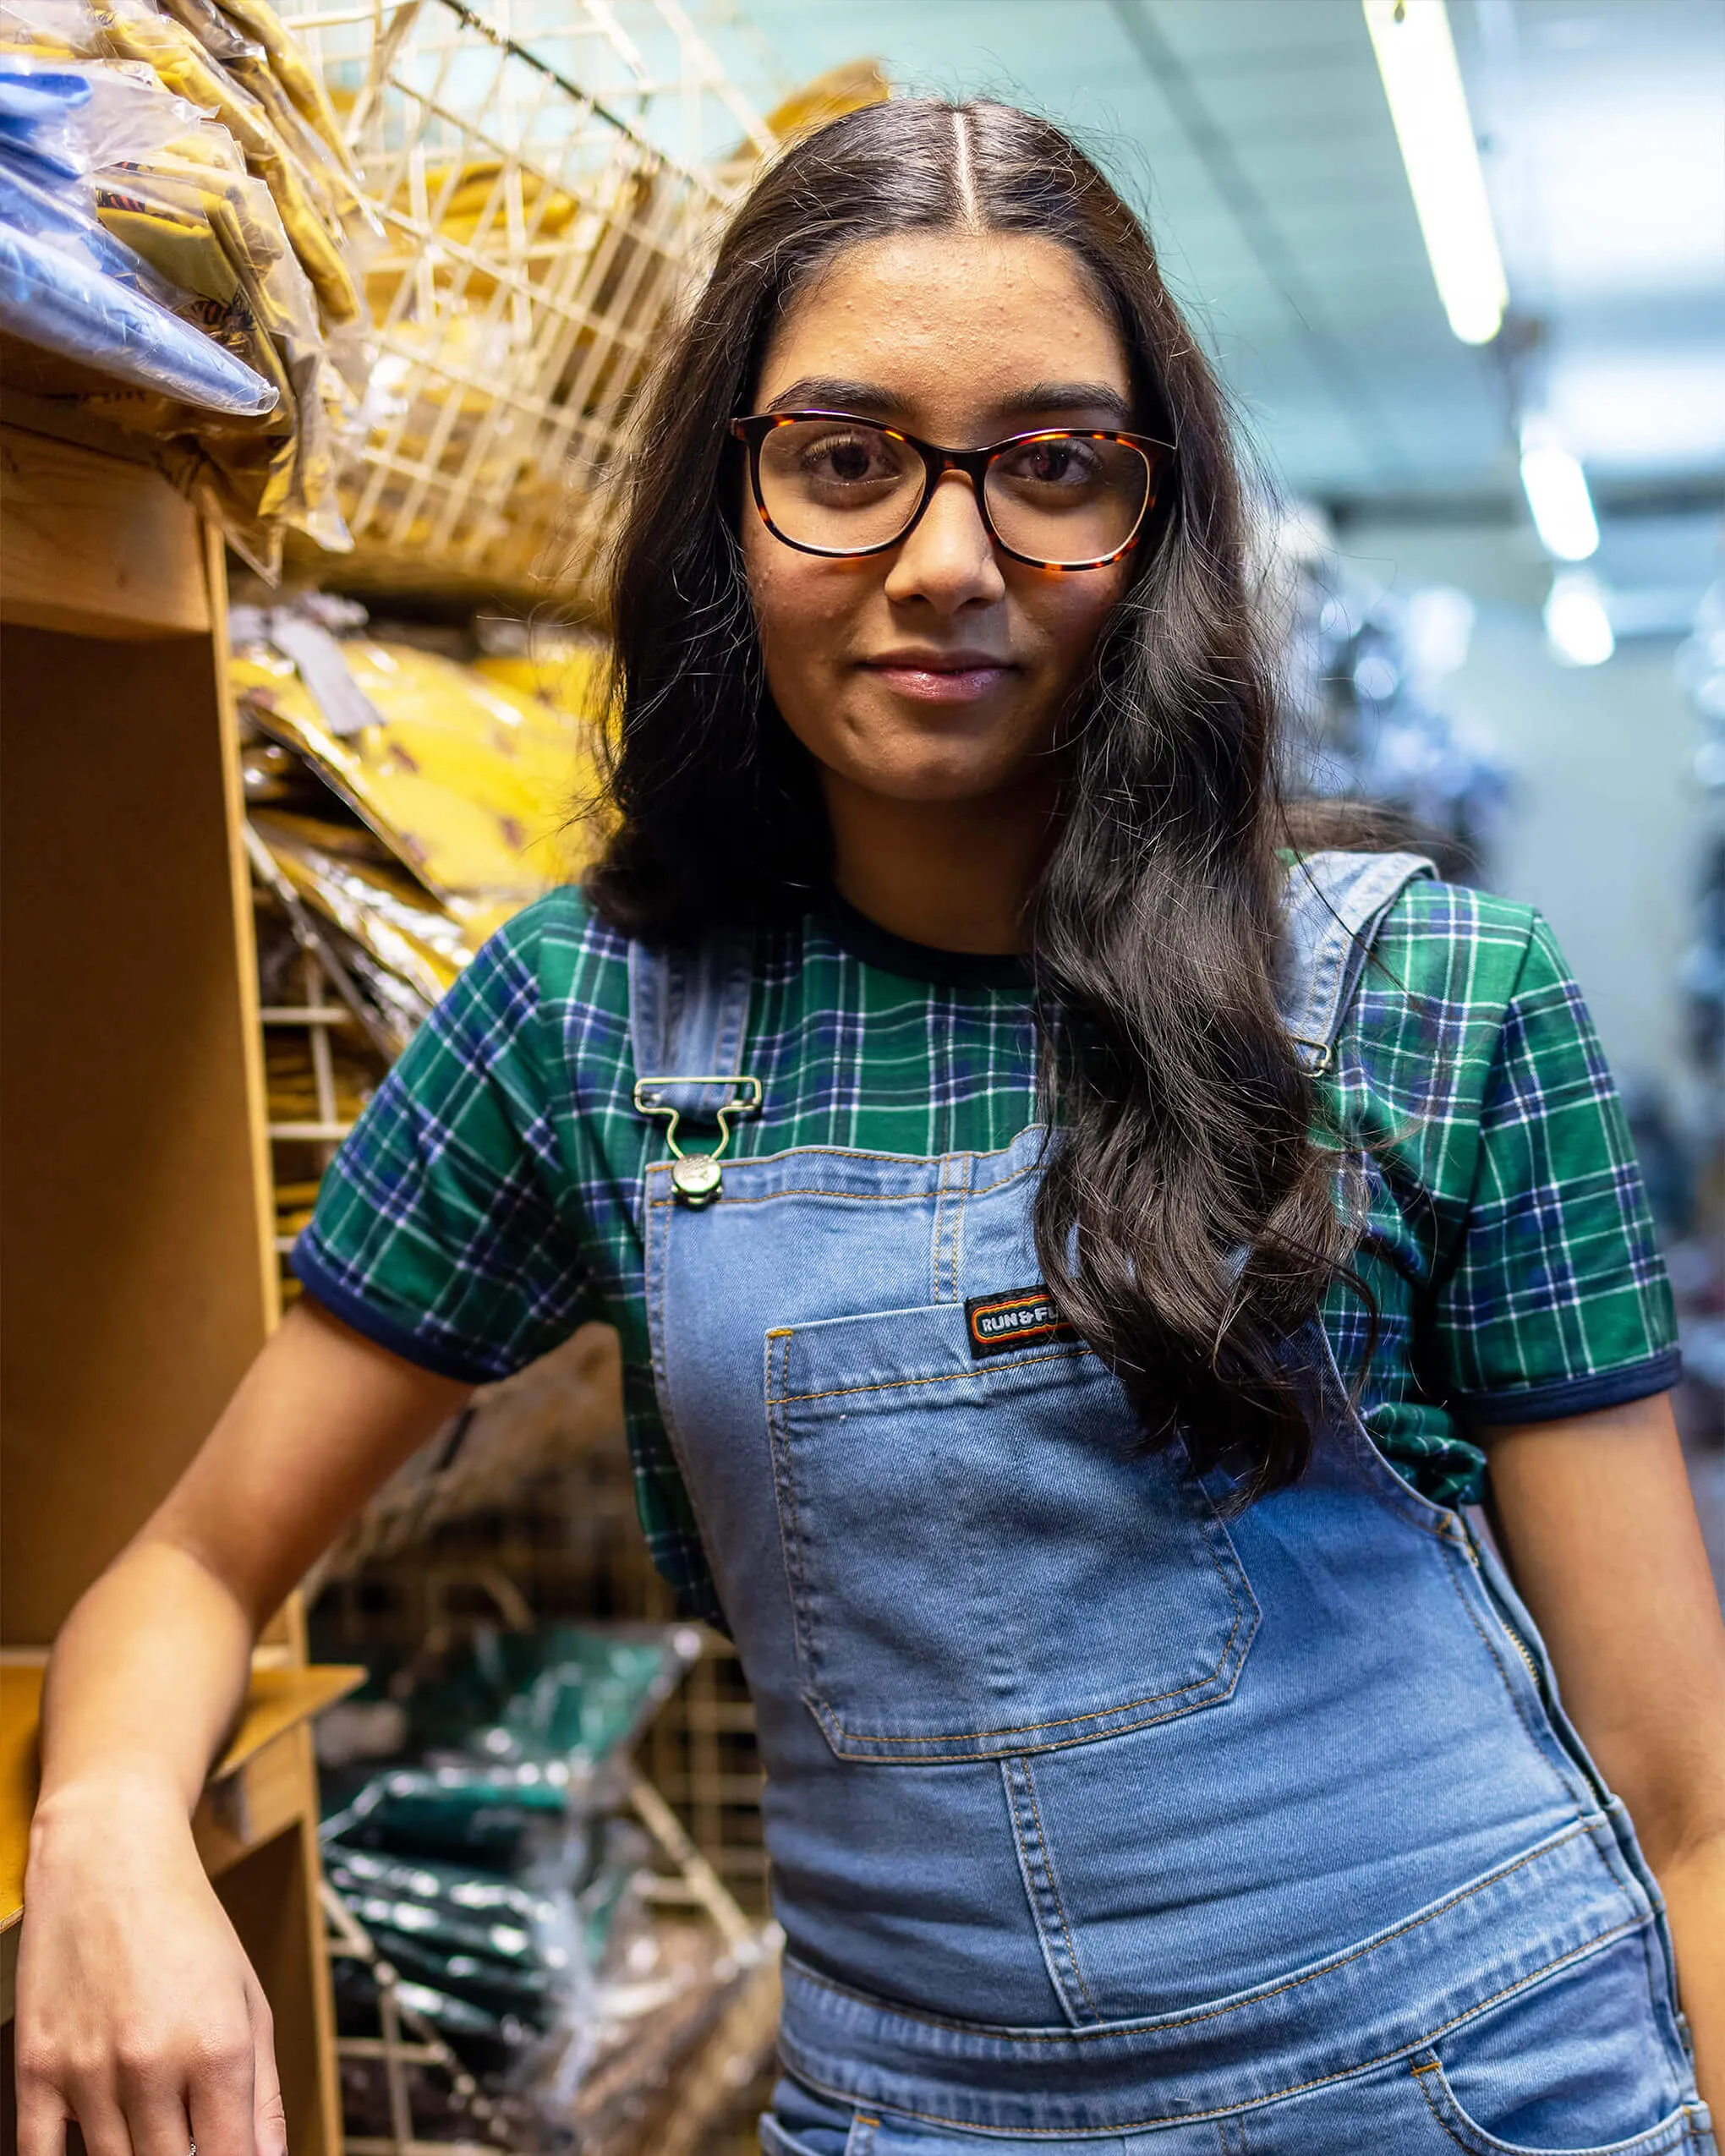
438	1231
1556	1302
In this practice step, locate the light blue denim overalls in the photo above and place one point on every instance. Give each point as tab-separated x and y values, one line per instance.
1098	1818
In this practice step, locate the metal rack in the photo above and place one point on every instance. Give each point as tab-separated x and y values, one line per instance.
547	175
731	2045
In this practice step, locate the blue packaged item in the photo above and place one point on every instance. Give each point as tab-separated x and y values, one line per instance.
57	214
28	97
52	297
74	116
33	116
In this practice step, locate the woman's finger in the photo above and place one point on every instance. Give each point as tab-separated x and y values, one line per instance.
156	2122
268	2116
219	2099
101	2121
43	2116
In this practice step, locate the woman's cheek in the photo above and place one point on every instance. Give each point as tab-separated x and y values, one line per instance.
805	623
1069	612
1075	604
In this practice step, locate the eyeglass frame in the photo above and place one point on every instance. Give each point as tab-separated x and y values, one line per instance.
753	428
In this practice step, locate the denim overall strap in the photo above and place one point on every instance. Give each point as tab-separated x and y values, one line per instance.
688	1010
1335	905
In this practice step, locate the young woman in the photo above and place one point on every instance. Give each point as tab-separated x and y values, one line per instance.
1078	1259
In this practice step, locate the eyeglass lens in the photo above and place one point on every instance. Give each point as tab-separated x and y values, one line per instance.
843	487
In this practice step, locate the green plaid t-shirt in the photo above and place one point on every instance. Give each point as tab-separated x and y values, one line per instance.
488	1200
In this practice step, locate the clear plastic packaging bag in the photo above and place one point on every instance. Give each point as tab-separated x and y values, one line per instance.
182	66
53	297
62	29
212	29
339	875
39	110
57	212
497	1818
500	1885
568	1694
74	115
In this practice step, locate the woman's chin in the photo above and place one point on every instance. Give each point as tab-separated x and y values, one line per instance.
931	762
932	782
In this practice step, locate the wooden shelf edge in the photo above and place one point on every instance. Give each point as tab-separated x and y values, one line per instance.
244	1804
95	545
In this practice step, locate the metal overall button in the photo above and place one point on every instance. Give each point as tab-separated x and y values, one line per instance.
696	1178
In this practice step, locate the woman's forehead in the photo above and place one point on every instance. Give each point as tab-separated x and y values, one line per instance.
948	326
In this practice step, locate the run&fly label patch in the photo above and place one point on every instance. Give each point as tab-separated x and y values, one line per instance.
1022	1318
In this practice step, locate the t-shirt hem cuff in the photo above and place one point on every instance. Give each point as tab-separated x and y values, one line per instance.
1604	1388
377	1326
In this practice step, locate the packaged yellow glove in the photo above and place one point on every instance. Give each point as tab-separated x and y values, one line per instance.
293	70
194	243
50	30
332	191
491	211
567	673
286	305
206	177
182	66
845	89
212	28
303	120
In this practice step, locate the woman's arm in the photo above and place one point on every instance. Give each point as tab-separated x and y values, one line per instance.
1600	1530
137	2012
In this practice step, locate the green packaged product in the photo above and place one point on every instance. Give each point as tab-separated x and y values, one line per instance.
491	1816
564	1695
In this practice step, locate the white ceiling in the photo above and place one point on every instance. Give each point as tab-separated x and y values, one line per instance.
1255	135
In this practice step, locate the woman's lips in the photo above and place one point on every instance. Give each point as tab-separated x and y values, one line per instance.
943	681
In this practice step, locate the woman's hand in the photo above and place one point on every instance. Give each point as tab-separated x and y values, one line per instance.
138	2012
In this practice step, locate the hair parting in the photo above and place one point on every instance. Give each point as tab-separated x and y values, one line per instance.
964	179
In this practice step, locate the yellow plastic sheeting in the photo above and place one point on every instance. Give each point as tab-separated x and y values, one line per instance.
553	669
335	870
467	782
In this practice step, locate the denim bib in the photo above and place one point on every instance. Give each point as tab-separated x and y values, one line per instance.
1093	1806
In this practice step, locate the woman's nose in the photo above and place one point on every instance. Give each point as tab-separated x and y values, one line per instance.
949	560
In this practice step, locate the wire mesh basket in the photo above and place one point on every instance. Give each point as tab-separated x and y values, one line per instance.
548	176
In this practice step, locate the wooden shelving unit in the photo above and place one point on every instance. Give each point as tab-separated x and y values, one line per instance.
137	1271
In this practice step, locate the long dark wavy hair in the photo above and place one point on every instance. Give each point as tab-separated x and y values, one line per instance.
1187	1221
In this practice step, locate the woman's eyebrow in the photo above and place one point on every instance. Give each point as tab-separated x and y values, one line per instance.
1041	400
1066	397
831	392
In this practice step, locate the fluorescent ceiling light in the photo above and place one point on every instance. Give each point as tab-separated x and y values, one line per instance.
1577	626
1416	59
1557	495
1642	405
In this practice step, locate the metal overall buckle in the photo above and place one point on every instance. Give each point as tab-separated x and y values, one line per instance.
696	1177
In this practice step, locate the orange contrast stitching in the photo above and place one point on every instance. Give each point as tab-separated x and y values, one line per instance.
1217	2111
1291	1983
1047	1867
941	1377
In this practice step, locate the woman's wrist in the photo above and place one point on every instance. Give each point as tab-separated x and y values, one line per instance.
127	1794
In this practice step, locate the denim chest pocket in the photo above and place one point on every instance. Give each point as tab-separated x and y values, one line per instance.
982	1558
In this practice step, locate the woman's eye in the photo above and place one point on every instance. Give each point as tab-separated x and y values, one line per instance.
1063	461
849	459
